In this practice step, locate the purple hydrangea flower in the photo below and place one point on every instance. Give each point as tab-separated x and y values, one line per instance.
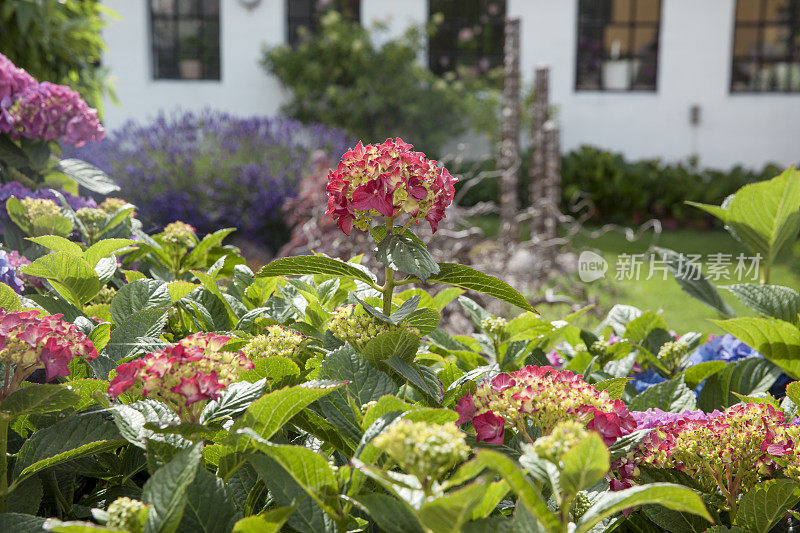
7	190
656	417
8	275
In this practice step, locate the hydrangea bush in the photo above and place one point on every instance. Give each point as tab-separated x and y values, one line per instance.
155	383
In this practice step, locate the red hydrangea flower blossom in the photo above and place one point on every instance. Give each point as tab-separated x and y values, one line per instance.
29	342
489	428
183	376
387	180
544	396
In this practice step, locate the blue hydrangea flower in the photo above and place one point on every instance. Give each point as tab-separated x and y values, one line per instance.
8	275
725	348
646	379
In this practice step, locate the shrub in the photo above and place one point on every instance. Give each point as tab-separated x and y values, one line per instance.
340	76
213	170
58	41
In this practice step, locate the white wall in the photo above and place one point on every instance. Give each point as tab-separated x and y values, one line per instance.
694	68
244	87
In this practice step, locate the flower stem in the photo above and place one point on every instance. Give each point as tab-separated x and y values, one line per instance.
3	462
388	285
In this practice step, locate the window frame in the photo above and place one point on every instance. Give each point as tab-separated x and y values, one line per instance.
632	25
175	18
453	51
760	59
291	37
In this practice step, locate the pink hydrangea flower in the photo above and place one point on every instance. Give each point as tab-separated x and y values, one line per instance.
29	342
387	180
543	396
489	428
183	376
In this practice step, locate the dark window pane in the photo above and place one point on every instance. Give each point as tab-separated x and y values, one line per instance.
185	37
469	40
766	46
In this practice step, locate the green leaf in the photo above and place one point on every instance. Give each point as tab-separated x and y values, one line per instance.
209	505
390	514
471	279
137	296
793	392
235	399
776	340
314	265
69	439
76	526
640	327
198	256
746	377
131	420
88	176
614	386
425	319
38	399
672	396
774	301
269	413
268	522
57	244
21	523
675	521
166	490
52	225
104	248
9	300
765	504
696	374
423	378
669	495
765	215
584	464
403	253
691	279
448	513
17	212
527	493
71	276
309	469
395	343
138	333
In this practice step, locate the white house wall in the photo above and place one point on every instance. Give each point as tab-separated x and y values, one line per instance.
694	69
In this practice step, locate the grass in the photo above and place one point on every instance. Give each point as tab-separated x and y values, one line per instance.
682	312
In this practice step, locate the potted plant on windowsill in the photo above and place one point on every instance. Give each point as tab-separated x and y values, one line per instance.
190	66
617	72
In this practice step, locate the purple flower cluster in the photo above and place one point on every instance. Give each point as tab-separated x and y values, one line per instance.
7	190
8	275
211	169
656	417
44	110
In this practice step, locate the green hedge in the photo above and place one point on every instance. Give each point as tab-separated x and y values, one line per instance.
629	191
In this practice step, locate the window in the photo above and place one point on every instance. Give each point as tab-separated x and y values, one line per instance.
766	46
306	14
185	35
470	37
617	45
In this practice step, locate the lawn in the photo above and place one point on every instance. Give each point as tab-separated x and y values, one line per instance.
665	295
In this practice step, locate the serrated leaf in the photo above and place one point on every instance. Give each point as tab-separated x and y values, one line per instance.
584	464
403	253
776	340
614	386
675	521
765	215
137	296
746	377
390	514
209	506
235	399
313	265
38	399
672	396
131	420
71	276
9	300
671	496
691	279
57	244
69	439
765	504
423	378
268	522
104	248
425	319
52	225
394	343
696	374
166	490
448	513
269	413
471	279
793	392
127	337
87	175
105	269
21	523
774	301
